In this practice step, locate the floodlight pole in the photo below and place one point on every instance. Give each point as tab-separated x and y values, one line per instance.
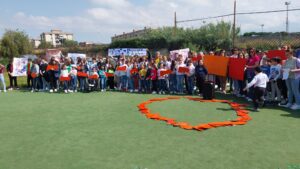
287	16
234	25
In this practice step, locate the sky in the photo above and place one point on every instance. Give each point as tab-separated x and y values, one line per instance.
99	20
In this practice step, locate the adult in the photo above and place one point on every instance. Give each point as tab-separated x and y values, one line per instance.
13	81
29	77
53	72
252	63
2	80
292	68
44	75
180	75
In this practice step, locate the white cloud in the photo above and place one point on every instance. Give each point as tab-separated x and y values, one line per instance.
109	17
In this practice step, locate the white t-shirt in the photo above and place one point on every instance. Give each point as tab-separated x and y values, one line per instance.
177	68
260	80
64	73
192	70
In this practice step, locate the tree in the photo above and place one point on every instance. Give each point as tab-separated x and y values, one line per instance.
15	43
69	43
45	45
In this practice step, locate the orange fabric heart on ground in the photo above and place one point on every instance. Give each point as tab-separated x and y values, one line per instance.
242	114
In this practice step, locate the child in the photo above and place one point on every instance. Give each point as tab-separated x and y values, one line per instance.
265	68
200	72
94	78
2	80
13	81
102	79
275	75
259	82
191	77
64	77
129	78
110	78
35	71
134	76
29	78
123	75
82	73
142	79
73	75
179	75
162	84
153	78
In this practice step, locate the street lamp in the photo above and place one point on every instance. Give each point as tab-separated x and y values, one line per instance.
287	16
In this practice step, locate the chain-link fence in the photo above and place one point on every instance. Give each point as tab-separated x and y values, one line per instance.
268	42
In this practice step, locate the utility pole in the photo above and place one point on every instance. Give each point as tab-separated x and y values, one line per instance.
175	24
234	25
262	28
287	16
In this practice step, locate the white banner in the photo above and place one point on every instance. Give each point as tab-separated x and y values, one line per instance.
53	53
127	52
20	66
74	56
184	52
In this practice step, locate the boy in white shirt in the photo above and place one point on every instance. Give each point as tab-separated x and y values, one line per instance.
260	84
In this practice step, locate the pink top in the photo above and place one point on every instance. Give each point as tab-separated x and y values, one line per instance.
153	74
253	60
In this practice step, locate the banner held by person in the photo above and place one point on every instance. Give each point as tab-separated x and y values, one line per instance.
75	56
184	52
276	53
216	65
236	68
20	67
127	52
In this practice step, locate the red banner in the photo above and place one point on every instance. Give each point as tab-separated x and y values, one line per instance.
122	68
277	53
236	68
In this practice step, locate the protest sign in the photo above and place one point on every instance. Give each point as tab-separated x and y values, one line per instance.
127	52
75	56
20	67
53	53
184	52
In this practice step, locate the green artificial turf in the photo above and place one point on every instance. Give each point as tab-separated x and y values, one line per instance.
106	131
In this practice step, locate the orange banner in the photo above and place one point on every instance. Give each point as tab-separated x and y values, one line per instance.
165	72
62	79
82	74
109	74
133	71
183	70
94	77
33	75
216	65
122	68
52	67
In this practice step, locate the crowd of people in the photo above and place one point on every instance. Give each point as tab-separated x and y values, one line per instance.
161	75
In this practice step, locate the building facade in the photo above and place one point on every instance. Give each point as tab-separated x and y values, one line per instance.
56	37
35	42
133	34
